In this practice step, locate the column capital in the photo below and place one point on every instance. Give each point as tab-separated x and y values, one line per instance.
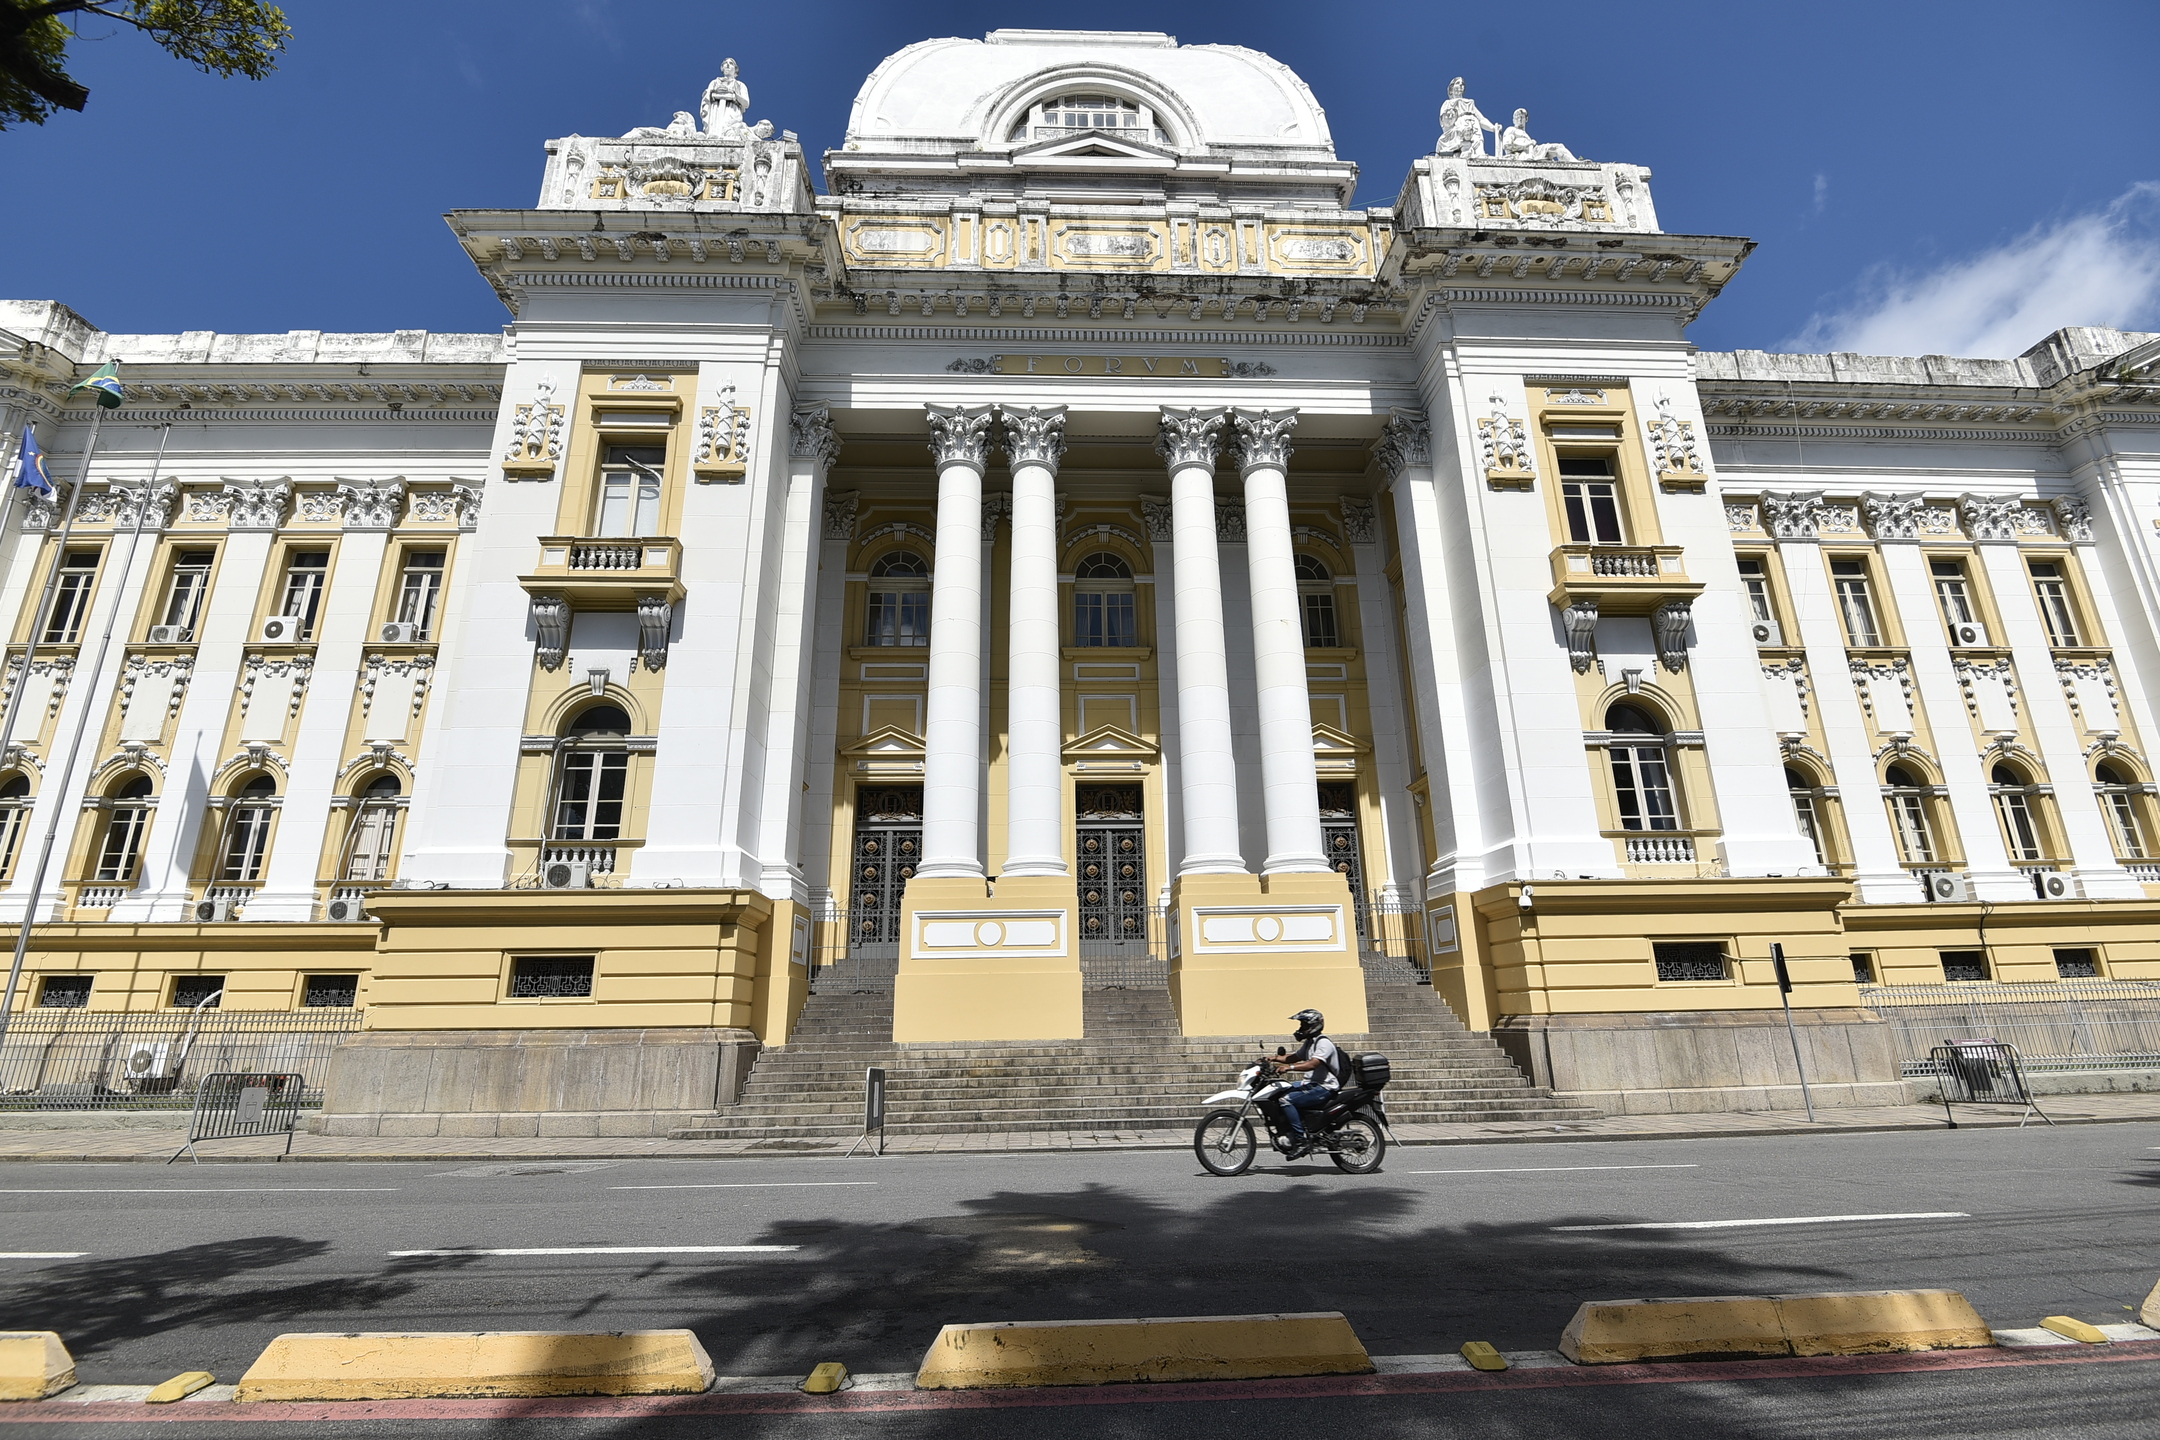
1156	513
1191	437
810	434
1263	439
840	514
960	435
995	507
1405	443
1034	435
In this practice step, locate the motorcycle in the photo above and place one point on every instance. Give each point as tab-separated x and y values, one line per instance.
1351	1128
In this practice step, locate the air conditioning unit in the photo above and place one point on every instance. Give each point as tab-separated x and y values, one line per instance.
149	1060
347	910
1767	633
1969	635
170	634
1942	885
281	629
566	875
217	910
401	632
2054	885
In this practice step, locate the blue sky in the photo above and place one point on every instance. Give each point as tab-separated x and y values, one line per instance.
1920	176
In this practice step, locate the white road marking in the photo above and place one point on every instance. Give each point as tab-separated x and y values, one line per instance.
44	1254
611	1250
750	1185
1541	1169
1780	1220
219	1190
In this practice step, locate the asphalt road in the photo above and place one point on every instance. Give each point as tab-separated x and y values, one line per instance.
197	1267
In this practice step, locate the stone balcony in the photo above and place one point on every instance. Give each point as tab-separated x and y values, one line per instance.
1622	579
595	573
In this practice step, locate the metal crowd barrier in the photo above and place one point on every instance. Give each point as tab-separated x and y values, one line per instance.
1983	1072
2056	1025
83	1059
239	1106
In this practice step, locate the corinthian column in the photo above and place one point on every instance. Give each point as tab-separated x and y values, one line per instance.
952	727
1207	771
1287	782
1035	720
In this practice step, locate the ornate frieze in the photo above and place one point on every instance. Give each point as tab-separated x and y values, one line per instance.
1506	448
1190	437
1792	514
960	434
1033	435
1230	522
420	669
257	506
1360	525
461	502
1157	516
1740	519
1263	438
1672	449
840	514
2074	516
1892	517
208	507
1990	519
536	436
258	668
372	504
811	435
127	505
722	449
997	509
1405	442
2090	687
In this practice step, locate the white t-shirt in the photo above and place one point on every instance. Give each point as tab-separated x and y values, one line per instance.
1323	1050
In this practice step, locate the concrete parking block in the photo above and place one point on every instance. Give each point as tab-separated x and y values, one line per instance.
1102	1352
391	1366
1733	1327
33	1365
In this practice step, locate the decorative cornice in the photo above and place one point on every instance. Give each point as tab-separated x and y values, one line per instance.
1034	435
1191	436
1263	438
960	435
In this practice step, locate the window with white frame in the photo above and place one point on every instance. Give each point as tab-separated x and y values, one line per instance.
249	821
2118	801
1807	813
14	817
1590	494
370	849
1641	772
1908	802
1755	579
1856	603
1953	592
2014	794
2051	587
629	502
126	821
71	597
1316	604
1081	111
420	582
1103	605
306	572
185	590
592	777
899	612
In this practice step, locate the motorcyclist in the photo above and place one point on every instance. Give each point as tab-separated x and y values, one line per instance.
1317	1059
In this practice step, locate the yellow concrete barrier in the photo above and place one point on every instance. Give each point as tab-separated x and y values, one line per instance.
1102	1352
825	1379
2149	1312
2072	1328
1733	1327
489	1363
180	1387
33	1364
1482	1356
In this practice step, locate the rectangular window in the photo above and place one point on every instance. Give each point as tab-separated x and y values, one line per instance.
1690	960
1964	965
13	820
1756	577
247	841
1856	603
1591	497
124	829
1642	787
185	591
64	992
2122	819
191	991
551	977
374	831
1910	813
630	491
71	599
1803	804
591	803
1103	619
1863	968
2076	965
1319	613
2019	831
2052	590
420	590
305	573
902	617
1952	592
330	992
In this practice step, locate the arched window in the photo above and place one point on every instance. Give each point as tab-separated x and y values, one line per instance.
593	775
1642	778
1070	114
1806	814
2014	793
1103	611
374	831
899	601
1907	798
14	816
2118	797
247	829
126	821
1316	603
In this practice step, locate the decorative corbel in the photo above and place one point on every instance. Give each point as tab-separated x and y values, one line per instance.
1579	621
1669	622
551	629
656	617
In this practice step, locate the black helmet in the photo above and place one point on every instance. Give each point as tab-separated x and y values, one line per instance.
1309	1023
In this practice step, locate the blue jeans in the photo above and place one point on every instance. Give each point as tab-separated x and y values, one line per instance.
1309	1096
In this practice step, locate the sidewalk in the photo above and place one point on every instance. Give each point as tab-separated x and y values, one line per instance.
50	1146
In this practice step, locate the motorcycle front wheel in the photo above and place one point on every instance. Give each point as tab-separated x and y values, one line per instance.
1359	1146
1224	1143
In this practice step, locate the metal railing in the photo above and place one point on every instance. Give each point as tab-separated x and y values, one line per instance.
2059	1025
102	1060
1134	961
1393	945
854	953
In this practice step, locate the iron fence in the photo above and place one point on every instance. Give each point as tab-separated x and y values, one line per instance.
1134	956
2059	1025
1392	944
853	953
99	1060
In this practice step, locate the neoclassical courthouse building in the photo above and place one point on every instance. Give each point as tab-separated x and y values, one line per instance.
1080	547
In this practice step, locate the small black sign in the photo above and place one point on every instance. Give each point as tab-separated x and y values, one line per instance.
873	1098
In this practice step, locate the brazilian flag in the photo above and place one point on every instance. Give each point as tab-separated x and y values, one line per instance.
104	386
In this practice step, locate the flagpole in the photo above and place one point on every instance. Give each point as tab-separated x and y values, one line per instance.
57	780
52	584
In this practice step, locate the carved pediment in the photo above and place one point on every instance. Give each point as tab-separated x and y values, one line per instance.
1111	742
887	742
1336	751
1093	149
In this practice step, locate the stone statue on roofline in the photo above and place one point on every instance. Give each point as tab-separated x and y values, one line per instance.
1462	124
683	125
726	101
1516	144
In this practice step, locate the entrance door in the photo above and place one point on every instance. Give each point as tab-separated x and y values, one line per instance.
1339	834
1117	913
888	845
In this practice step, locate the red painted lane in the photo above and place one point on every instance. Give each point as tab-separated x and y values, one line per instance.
1325	1387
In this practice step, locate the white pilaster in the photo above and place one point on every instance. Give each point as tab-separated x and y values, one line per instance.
1156	514
1403	876
1034	714
952	726
1208	779
822	715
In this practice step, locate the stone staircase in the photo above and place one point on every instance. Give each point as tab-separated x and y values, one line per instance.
1131	1071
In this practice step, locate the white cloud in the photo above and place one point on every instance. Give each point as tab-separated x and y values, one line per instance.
2098	268
1822	191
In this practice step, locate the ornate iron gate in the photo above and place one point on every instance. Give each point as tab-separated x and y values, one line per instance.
1119	926
888	845
1339	834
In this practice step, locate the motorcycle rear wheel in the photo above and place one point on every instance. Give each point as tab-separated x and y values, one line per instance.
1224	1143
1359	1146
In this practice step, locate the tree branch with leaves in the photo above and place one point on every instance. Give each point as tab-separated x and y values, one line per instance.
219	37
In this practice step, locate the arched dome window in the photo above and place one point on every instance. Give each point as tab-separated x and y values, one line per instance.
1103	605
1316	604
1910	815
1641	771
899	612
592	777
14	815
2119	798
252	813
2014	795
1806	813
1081	111
372	845
126	822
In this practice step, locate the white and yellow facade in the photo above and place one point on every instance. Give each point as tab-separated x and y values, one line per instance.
1082	464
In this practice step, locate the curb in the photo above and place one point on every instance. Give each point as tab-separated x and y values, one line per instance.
1107	1352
